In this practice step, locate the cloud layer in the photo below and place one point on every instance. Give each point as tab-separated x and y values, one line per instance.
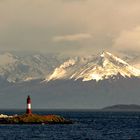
128	40
71	26
74	37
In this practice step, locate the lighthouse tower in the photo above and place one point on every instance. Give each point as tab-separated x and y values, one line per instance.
28	110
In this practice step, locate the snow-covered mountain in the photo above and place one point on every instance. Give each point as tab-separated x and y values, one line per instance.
15	68
118	81
104	66
19	68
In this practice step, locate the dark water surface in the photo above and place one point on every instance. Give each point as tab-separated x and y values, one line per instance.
89	125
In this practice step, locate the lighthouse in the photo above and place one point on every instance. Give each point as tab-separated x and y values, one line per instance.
28	110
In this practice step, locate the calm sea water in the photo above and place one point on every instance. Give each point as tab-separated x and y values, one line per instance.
89	125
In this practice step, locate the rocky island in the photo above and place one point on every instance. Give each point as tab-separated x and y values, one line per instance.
34	119
30	118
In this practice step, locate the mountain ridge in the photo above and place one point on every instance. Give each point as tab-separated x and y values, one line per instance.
15	68
102	67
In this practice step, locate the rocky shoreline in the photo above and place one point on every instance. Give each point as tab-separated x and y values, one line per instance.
33	119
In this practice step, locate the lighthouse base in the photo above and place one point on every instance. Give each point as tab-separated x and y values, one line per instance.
28	111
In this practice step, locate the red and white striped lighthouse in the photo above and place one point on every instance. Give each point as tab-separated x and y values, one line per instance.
28	110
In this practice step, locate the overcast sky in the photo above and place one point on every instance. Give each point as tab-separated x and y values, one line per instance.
70	26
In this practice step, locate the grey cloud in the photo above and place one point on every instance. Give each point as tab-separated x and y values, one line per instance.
31	25
73	37
128	40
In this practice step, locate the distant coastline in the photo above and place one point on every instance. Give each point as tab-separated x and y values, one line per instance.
122	107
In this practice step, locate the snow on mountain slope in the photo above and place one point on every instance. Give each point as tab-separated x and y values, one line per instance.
94	68
15	68
62	69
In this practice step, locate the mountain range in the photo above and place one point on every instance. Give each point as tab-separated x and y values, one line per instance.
60	82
